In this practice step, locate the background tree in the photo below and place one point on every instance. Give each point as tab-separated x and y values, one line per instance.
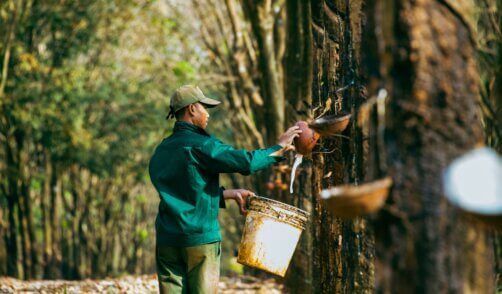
426	58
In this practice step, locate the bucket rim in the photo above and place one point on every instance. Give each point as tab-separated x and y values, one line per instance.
289	206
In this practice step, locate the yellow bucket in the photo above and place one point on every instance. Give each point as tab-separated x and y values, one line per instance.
270	235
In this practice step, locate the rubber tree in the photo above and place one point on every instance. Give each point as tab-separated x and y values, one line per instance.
425	57
323	38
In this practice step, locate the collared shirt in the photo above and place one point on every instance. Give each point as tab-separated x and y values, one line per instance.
185	171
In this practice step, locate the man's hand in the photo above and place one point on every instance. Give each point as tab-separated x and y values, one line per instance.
286	140
240	196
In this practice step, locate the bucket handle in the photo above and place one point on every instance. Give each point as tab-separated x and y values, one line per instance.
248	200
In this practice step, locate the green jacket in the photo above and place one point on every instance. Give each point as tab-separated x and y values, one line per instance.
185	171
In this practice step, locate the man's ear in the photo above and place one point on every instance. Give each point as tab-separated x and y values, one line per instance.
192	109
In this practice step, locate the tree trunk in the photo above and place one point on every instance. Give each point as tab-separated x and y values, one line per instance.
32	250
297	88
343	249
425	58
11	239
46	223
3	233
25	242
261	15
12	206
55	219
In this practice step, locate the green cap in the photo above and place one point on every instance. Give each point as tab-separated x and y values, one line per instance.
186	95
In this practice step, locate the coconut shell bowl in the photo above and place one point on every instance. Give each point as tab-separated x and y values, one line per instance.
330	125
306	140
351	201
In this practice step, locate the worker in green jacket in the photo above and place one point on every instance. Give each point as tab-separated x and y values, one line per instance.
185	171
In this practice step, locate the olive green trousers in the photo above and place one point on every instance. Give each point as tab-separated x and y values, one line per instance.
189	269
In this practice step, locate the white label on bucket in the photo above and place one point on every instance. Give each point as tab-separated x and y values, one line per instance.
272	243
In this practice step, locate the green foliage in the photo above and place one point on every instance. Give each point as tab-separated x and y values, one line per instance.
142	234
86	86
86	92
184	70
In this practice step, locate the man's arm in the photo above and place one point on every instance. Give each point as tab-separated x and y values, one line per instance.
217	157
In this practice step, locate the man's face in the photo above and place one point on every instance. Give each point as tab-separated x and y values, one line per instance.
200	115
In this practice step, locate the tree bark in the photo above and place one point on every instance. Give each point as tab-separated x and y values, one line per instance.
12	204
343	249
262	18
11	239
425	59
47	229
297	66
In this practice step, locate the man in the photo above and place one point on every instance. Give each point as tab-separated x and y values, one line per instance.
185	171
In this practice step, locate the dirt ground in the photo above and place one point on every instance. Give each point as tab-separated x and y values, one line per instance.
131	284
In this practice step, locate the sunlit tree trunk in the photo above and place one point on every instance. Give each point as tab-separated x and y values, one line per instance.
262	16
343	250
321	56
48	255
